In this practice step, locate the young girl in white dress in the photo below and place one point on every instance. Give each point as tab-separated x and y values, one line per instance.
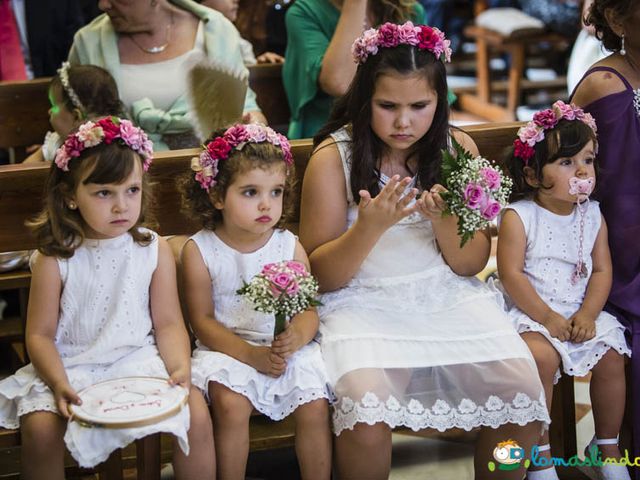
555	265
237	191
103	304
408	337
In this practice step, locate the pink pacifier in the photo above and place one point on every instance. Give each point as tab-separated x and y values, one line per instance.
582	187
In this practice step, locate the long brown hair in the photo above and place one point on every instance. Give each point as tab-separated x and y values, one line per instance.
59	229
394	11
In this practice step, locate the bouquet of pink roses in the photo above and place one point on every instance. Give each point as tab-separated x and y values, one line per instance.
477	190
283	289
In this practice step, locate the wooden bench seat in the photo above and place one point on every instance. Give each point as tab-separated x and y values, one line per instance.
20	198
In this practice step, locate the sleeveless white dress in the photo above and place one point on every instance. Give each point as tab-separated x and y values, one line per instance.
408	342
304	379
550	259
104	332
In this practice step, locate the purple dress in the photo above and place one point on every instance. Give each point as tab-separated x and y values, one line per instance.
618	190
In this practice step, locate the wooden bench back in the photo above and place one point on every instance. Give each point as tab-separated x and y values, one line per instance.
24	106
21	185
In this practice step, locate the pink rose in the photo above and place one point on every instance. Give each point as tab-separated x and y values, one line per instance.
236	135
110	129
531	134
490	210
388	35
219	148
473	195
297	267
589	120
491	177
407	33
522	150
545	119
283	282
132	135
365	45
566	111
74	146
427	38
62	159
270	269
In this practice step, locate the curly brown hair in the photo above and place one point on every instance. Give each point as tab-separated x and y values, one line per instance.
197	203
621	9
58	229
394	11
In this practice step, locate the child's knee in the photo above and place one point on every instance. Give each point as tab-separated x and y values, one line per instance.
198	410
229	406
313	413
41	430
371	436
610	365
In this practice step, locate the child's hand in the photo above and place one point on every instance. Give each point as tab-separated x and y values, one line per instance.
65	395
181	376
558	326
390	205
584	327
431	205
268	362
288	342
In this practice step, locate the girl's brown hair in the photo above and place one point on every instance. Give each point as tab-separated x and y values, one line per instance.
96	89
197	203
59	229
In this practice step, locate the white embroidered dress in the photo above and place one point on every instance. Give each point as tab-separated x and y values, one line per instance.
104	332
304	379
550	259
409	342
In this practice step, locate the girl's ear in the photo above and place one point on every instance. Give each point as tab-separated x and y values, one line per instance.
78	116
530	177
216	201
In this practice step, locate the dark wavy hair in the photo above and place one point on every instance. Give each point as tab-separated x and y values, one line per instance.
197	203
596	17
58	229
564	140
96	89
354	109
394	11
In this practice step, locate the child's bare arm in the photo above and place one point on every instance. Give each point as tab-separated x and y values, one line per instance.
512	244
303	327
171	335
42	324
210	332
597	289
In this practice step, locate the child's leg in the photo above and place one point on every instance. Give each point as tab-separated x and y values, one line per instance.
231	412
201	462
313	439
364	452
547	360
608	392
42	452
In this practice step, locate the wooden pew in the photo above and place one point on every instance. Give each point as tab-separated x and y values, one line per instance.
20	198
24	105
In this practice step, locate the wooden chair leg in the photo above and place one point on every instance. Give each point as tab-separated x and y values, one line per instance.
516	71
483	73
148	457
111	469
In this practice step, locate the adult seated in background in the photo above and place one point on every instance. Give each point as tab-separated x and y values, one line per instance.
319	65
229	8
610	91
148	46
35	36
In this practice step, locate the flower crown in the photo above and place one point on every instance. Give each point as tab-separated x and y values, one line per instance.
533	132
107	130
236	137
63	73
390	35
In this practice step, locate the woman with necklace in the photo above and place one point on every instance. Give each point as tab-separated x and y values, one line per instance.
148	46
319	66
610	91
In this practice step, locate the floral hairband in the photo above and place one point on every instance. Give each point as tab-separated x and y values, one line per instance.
63	73
107	130
390	35
236	137
533	132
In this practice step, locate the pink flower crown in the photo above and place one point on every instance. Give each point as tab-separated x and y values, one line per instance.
390	35
109	129
533	132
236	137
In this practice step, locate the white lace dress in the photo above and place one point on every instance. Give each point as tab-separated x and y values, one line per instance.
104	332
550	259
409	342
305	378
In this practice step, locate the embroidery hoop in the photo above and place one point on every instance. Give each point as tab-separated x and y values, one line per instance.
128	402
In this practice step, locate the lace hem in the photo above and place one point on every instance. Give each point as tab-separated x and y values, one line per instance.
442	416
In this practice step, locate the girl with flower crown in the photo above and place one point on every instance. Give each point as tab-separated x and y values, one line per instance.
408	337
103	305
555	265
237	190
